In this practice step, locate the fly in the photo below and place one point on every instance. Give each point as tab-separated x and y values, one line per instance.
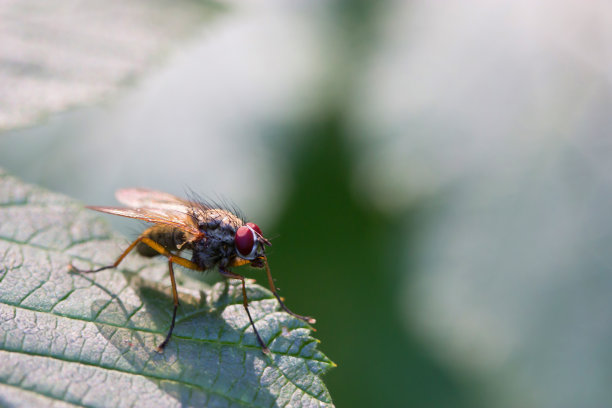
216	237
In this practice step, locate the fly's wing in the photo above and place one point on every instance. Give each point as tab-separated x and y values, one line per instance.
173	218
145	198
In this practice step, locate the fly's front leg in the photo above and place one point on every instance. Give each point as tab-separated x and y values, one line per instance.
307	319
245	303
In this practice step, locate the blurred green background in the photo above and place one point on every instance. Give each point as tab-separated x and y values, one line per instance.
435	177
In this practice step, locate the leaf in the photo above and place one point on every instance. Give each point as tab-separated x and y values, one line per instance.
88	340
70	53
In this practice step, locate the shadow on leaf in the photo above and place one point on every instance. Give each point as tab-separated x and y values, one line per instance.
212	355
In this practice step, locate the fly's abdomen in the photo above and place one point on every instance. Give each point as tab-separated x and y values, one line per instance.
168	237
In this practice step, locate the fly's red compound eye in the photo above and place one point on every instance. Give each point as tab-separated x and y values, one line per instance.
255	228
245	240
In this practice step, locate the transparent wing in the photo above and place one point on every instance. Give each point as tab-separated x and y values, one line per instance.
145	198
177	219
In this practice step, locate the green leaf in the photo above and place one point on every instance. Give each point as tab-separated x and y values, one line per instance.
88	340
67	55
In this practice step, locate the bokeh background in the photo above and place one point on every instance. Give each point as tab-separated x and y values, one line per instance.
436	176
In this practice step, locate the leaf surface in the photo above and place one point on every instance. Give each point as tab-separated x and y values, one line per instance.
88	340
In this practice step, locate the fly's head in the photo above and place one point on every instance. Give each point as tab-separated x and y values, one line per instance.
250	242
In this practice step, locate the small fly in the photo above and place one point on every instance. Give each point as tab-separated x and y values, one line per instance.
216	237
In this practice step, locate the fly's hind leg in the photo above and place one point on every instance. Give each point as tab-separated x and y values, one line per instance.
171	259
161	347
116	263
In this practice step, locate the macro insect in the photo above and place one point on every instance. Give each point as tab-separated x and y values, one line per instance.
216	237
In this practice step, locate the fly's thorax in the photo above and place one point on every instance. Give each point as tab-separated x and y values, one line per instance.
217	247
216	218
